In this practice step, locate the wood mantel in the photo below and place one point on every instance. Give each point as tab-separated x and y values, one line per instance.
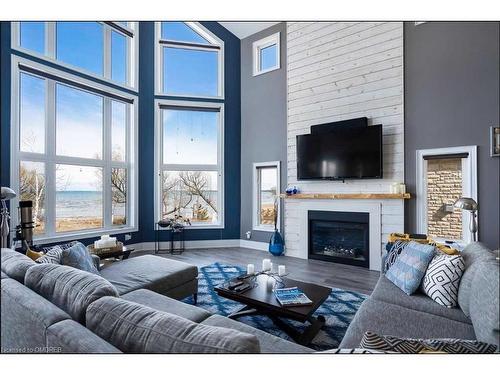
347	196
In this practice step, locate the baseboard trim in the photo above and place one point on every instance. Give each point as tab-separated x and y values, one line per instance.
264	246
199	244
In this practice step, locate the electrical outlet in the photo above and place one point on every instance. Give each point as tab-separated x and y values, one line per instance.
128	237
249	235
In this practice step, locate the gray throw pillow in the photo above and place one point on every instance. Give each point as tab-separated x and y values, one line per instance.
134	328
70	289
53	256
78	256
374	341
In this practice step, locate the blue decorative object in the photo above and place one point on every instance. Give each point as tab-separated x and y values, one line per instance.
276	244
339	309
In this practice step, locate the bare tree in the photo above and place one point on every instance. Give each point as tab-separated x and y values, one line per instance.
196	184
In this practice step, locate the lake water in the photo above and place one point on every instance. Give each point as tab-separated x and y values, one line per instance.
82	204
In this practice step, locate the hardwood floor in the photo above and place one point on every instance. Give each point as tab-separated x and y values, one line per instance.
316	271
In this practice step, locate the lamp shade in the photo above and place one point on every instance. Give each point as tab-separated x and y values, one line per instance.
7	193
467	204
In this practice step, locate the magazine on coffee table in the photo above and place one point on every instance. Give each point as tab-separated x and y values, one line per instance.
291	297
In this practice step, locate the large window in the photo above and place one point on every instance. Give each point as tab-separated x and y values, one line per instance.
189	60
104	49
190	169
266	190
443	176
73	145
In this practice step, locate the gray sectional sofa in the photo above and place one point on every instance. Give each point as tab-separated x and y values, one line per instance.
389	311
54	308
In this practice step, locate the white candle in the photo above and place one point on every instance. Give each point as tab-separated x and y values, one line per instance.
270	284
271	267
250	269
266	264
281	270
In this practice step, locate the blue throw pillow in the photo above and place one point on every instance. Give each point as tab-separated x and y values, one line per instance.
410	266
78	256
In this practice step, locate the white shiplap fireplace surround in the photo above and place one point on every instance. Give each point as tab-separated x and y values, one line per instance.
338	71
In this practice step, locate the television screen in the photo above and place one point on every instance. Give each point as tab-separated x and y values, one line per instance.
340	154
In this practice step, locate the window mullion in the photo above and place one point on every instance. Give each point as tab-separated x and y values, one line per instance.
106	179
50	165
107	51
50	39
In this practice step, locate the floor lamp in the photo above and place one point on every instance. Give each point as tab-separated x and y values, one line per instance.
469	204
5	195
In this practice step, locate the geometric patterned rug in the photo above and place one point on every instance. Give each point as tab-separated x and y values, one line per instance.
338	309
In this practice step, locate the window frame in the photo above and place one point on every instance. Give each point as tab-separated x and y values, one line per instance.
160	104
52	77
469	186
131	31
258	46
217	45
256	225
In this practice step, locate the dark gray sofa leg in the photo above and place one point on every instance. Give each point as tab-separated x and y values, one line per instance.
195	298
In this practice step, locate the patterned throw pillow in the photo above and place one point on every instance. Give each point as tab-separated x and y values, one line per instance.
442	279
374	341
410	266
78	256
54	255
393	251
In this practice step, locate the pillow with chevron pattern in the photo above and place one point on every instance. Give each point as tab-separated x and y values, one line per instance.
442	279
374	341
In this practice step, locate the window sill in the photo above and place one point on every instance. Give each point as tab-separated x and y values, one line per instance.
264	229
258	73
71	236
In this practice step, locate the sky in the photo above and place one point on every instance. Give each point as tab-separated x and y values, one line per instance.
192	135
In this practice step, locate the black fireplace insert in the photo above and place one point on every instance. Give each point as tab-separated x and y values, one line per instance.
341	237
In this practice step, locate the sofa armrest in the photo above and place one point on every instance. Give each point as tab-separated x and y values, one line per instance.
97	261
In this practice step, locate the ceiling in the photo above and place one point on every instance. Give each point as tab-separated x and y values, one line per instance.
243	29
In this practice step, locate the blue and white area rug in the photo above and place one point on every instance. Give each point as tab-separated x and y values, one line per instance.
338	309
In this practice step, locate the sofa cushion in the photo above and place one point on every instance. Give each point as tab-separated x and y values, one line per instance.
442	279
386	291
163	303
134	328
374	341
4	275
68	336
148	272
474	254
268	343
15	264
410	266
78	256
68	288
25	318
388	319
484	302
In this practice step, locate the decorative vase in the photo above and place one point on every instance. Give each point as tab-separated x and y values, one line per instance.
276	244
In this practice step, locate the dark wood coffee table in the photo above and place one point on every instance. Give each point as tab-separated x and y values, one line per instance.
260	301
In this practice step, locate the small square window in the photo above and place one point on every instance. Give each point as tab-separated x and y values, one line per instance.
266	54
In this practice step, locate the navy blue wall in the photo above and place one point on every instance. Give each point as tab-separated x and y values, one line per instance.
232	131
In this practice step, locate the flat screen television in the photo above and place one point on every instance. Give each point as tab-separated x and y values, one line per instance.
340	154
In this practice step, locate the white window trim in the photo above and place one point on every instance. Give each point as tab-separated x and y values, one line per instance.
132	68
259	45
469	187
205	33
49	157
159	103
256	197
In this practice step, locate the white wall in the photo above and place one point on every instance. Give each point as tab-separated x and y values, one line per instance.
337	71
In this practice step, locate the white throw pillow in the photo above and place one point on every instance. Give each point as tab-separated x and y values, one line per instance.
442	279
